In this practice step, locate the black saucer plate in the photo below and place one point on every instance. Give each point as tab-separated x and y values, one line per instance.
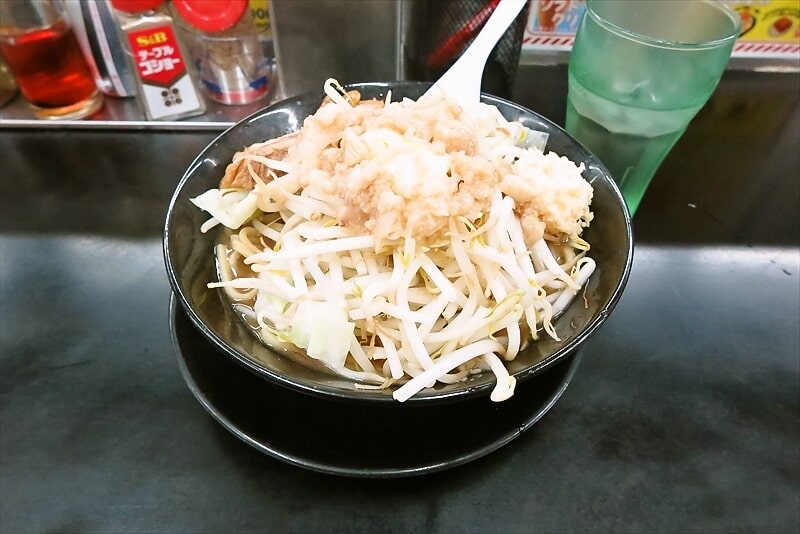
356	439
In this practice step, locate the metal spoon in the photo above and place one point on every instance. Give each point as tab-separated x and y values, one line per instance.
462	81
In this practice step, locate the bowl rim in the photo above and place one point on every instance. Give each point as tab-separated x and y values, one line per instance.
426	396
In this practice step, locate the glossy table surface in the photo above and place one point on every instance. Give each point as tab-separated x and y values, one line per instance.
683	415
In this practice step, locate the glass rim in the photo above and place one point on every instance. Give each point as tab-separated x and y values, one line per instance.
720	6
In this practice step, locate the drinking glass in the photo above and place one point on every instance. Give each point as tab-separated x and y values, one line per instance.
42	52
639	71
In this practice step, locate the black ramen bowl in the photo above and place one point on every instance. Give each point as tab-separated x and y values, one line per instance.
190	261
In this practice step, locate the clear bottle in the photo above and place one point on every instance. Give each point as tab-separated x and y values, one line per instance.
8	86
225	49
96	30
41	51
164	77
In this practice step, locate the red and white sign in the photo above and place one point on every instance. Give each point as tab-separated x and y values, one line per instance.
157	56
167	88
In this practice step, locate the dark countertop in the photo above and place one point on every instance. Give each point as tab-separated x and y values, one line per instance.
683	415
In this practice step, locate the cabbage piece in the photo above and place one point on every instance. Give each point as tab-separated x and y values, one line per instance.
528	138
231	207
323	330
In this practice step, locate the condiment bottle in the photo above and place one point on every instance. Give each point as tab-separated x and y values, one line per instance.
224	46
96	29
41	51
261	20
8	86
165	85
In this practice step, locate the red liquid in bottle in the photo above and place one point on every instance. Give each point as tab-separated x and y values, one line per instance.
48	66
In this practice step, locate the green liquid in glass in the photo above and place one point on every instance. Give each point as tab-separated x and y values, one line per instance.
631	142
638	72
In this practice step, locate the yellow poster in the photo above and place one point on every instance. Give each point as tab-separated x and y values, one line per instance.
260	10
769	28
769	20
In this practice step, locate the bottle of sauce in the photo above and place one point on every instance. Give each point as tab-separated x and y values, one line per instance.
166	89
225	48
42	52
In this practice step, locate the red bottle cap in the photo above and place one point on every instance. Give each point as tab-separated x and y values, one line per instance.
211	15
134	6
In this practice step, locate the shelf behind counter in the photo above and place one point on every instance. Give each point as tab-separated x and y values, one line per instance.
731	178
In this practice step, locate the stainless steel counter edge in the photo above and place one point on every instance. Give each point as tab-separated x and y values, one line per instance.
117	125
125	114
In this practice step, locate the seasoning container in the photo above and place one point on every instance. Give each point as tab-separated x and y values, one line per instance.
96	29
8	87
260	12
225	49
166	89
41	51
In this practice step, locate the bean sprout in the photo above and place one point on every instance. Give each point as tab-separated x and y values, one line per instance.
405	249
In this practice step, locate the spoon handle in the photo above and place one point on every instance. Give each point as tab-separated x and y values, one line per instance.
462	81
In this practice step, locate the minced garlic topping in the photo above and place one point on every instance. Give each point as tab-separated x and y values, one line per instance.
404	169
